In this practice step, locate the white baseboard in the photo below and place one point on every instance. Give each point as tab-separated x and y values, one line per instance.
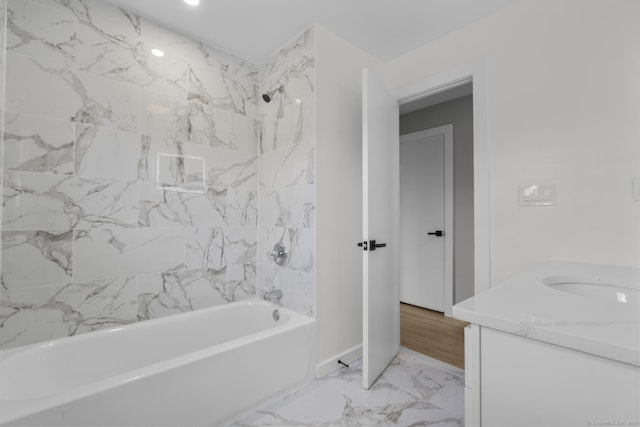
331	364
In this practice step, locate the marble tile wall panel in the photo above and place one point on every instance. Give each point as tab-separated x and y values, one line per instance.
300	244
205	248
35	201
40	90
298	287
169	208
240	245
41	30
241	282
38	144
288	207
242	208
36	258
293	69
43	313
106	153
226	168
93	119
294	124
180	291
288	167
286	188
110	253
3	27
176	292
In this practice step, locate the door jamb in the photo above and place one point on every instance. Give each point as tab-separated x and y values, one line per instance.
447	131
476	72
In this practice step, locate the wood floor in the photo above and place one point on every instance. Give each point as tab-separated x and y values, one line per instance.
431	333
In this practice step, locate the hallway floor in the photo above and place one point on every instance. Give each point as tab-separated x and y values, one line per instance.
432	334
411	392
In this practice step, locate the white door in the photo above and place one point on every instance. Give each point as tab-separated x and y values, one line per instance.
426	218
381	308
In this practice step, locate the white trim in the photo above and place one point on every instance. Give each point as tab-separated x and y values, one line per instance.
447	131
477	72
331	364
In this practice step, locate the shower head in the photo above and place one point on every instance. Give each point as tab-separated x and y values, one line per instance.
268	96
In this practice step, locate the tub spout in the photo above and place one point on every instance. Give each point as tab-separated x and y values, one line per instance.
274	295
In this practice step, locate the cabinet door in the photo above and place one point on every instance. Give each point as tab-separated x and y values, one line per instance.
528	383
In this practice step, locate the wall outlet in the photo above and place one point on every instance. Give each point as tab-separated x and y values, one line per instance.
537	195
636	188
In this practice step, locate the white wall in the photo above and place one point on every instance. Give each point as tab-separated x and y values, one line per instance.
458	112
563	109
338	194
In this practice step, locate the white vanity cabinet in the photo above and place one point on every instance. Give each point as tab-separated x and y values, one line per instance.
518	381
558	345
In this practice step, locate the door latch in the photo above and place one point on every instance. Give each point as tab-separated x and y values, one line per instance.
373	245
437	233
363	245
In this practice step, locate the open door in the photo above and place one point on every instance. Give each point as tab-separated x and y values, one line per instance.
380	180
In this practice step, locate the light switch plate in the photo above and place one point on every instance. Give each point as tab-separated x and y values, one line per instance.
636	188
537	195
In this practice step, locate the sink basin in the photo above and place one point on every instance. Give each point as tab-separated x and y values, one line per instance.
620	293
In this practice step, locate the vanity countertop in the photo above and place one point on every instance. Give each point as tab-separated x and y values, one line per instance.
526	306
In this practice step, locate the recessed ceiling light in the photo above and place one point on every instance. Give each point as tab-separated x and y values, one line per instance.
157	52
192	2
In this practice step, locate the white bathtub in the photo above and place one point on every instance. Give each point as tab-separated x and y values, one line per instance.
200	368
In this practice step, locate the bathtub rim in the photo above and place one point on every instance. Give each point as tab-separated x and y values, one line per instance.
11	410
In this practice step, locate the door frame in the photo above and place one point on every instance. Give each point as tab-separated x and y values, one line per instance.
447	131
475	72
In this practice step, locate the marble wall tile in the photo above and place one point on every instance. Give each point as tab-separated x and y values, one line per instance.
37	144
43	313
298	287
106	153
41	90
109	253
107	103
176	292
36	258
294	124
39	31
203	124
291	68
293	166
242	208
288	207
35	201
116	49
217	88
300	244
241	282
244	133
171	208
205	248
102	137
57	92
240	245
226	168
153	148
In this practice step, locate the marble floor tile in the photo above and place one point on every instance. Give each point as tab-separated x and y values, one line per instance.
410	392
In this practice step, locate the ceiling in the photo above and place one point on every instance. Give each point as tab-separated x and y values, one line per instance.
254	29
